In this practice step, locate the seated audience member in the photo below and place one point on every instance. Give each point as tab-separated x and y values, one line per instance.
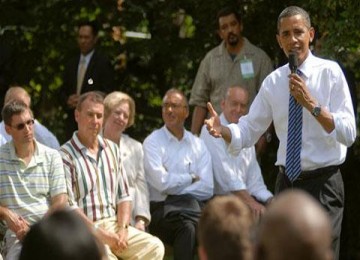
32	181
294	227
241	174
225	228
42	134
61	236
98	188
179	173
120	114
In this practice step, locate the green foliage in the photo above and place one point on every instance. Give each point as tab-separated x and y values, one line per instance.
42	37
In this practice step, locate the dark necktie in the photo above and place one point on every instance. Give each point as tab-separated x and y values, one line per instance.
293	148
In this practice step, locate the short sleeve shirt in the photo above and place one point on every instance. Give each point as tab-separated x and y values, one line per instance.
218	71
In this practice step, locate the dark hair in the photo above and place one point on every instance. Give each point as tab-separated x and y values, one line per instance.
94	26
14	107
61	236
228	11
292	11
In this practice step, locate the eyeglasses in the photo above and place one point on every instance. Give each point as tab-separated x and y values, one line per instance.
171	105
21	126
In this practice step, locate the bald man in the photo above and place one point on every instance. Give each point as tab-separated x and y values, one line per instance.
241	174
294	227
42	134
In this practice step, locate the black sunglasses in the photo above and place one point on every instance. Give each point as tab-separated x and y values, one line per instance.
21	126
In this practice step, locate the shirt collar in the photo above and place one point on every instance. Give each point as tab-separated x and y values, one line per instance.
244	52
170	136
87	57
82	147
36	158
223	119
307	66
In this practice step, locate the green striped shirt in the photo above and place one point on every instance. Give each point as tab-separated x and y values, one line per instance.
27	189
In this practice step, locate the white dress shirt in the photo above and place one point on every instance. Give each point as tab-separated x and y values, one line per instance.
132	158
327	84
234	173
169	162
42	135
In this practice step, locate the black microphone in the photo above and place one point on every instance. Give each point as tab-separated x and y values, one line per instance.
293	62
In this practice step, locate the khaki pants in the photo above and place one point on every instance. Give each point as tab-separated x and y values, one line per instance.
141	245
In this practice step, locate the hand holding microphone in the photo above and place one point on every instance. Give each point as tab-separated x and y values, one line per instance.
293	62
298	88
293	65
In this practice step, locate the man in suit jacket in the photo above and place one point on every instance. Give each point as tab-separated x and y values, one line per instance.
87	71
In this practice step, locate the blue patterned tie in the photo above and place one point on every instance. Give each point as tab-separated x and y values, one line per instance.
293	148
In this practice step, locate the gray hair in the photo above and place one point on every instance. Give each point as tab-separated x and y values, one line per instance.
94	96
177	91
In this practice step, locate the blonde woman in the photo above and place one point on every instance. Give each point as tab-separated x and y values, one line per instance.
119	115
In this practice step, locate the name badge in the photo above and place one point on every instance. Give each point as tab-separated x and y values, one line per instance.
247	69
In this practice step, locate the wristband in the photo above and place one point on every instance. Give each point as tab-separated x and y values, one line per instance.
124	226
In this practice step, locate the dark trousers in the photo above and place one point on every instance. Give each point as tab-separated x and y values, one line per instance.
328	189
177	228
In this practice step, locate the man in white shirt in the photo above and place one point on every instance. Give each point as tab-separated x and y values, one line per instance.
319	87
241	174
179	173
42	134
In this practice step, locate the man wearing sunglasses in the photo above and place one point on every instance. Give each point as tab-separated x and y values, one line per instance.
32	179
42	134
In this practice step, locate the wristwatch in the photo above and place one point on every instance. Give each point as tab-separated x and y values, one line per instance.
316	111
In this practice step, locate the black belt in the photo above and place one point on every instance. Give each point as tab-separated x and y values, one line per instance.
314	174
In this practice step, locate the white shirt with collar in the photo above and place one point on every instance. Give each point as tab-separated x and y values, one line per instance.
234	173
87	59
169	162
327	84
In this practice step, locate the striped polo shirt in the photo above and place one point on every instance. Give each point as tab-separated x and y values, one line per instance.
95	184
27	189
